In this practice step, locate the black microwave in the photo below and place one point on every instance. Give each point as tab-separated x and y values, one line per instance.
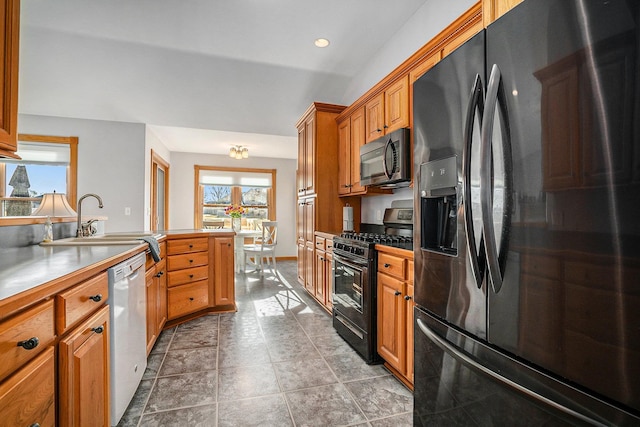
386	161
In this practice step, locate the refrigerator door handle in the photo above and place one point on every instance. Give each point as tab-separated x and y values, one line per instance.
462	357
496	253
476	252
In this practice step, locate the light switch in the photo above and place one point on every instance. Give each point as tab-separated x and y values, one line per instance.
127	211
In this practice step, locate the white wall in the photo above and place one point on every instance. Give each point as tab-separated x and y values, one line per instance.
110	164
181	199
424	25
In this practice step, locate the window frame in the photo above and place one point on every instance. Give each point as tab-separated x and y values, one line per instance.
72	178
199	190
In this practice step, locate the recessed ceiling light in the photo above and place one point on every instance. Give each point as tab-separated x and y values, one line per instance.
321	42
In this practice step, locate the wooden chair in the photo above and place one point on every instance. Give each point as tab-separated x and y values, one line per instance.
263	247
213	224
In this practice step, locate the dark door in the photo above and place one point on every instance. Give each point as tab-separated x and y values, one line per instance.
570	290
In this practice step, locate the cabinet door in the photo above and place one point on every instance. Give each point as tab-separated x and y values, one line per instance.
321	277
374	118
344	157
10	35
328	266
152	307
310	155
357	141
224	291
396	105
27	398
84	373
309	260
391	321
309	220
302	157
409	323
301	263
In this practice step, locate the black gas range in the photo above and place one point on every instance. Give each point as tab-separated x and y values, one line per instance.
354	285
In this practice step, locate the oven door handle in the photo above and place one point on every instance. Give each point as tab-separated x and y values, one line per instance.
349	263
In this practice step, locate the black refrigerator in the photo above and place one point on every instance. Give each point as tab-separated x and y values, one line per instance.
527	231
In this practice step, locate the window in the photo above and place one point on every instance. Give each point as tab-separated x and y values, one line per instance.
219	188
48	164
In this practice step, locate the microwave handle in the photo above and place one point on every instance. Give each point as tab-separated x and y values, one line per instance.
384	159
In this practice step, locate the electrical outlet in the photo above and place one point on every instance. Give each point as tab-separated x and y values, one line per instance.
127	211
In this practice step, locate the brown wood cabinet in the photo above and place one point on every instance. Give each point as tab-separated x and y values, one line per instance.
156	284
387	111
494	9
200	275
319	205
10	36
84	373
395	311
323	270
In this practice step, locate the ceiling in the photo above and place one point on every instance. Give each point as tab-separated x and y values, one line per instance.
203	74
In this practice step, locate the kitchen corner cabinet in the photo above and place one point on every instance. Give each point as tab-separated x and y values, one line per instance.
395	313
388	110
156	286
199	275
319	206
10	33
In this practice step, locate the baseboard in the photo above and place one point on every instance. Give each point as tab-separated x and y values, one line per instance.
286	258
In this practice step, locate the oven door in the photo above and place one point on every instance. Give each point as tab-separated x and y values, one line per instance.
350	289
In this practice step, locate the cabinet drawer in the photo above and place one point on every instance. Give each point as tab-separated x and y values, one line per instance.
328	244
38	323
178	262
28	397
188	275
392	265
188	298
182	246
320	243
78	302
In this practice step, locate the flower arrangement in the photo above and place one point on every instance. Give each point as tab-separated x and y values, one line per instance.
234	211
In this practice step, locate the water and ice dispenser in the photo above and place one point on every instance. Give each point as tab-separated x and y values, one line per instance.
439	206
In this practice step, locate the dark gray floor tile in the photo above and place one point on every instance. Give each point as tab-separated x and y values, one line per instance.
153	365
189	360
402	420
208	322
293	331
136	406
291	349
350	367
259	411
242	354
328	405
178	391
199	416
303	373
246	381
381	397
194	339
331	344
163	341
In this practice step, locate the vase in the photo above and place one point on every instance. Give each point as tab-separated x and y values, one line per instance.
236	223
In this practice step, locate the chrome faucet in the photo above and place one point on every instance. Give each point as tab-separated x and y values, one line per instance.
82	227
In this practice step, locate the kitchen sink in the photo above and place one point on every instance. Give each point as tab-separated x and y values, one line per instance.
102	239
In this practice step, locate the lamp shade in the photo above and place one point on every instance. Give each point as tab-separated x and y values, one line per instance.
54	205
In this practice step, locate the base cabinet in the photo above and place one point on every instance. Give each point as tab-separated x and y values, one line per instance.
84	373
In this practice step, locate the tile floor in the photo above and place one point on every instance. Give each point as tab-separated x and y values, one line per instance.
276	362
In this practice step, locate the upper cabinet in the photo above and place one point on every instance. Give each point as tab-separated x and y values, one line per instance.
494	9
388	110
10	35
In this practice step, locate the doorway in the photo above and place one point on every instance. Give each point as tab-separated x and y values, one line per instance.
159	192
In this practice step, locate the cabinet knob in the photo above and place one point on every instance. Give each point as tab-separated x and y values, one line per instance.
98	330
191	276
29	344
386	127
160	274
387	265
407	297
96	298
396	293
35	425
378	130
228	245
190	246
190	298
190	261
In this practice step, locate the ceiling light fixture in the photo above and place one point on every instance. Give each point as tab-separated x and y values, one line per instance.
321	42
239	152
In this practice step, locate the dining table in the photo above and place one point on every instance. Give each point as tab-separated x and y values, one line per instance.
239	246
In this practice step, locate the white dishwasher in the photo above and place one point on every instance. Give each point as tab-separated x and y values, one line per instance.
128	315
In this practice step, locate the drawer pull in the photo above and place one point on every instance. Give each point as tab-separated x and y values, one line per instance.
96	298
190	298
191	276
98	330
408	297
190	261
387	265
29	344
35	425
228	245
190	246
160	274
396	293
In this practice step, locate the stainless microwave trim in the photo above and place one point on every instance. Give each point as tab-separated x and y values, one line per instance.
385	175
